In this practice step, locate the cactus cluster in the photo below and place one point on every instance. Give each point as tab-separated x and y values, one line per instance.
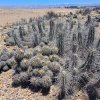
62	49
37	67
6	60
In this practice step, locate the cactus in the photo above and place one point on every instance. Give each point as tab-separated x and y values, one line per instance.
5	52
16	80
54	67
60	44
87	66
62	92
46	82
40	57
24	78
98	44
41	44
91	36
54	50
24	64
21	31
5	68
19	55
74	38
49	73
52	30
9	41
88	20
54	58
45	40
4	57
40	27
79	39
2	64
17	39
38	73
74	48
83	80
5	60
11	62
35	82
37	50
92	93
36	62
74	61
35	40
46	50
28	53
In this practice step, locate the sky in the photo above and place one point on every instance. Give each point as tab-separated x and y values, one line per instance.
48	2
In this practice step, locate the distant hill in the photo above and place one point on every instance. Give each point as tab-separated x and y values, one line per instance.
50	6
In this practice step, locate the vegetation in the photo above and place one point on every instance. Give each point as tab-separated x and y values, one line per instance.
54	49
36	71
6	60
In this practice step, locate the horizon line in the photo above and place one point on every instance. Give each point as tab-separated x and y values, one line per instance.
67	4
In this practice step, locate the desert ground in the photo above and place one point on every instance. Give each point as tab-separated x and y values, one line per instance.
7	16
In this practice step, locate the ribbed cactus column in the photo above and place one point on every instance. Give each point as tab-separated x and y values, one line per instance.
60	44
17	39
88	22
79	39
98	44
91	36
87	66
35	40
74	43
40	27
52	30
21	31
62	92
